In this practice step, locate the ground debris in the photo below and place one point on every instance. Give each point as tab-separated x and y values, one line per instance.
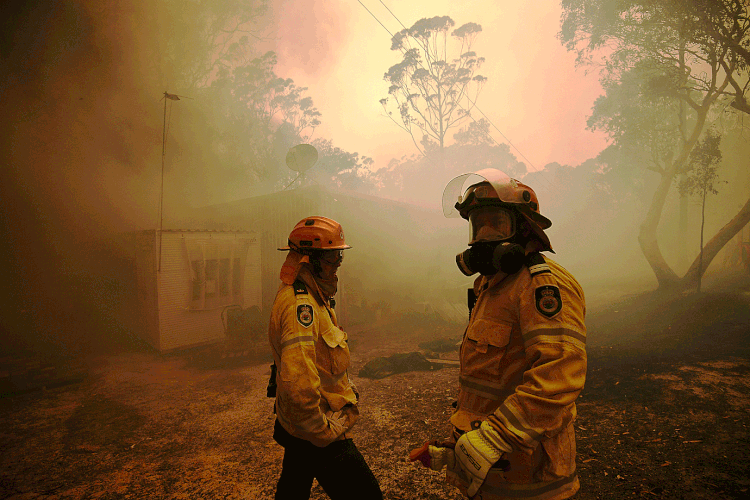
144	425
383	366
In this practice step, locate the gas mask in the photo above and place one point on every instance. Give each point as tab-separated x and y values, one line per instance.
488	258
493	243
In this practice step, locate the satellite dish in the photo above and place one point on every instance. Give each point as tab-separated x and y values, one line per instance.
301	157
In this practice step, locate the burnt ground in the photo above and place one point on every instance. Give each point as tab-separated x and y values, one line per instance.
664	414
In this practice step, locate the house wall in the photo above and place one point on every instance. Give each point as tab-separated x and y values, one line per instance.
278	217
272	218
402	254
181	324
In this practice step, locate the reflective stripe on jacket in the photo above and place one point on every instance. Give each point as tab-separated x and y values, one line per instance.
523	364
315	400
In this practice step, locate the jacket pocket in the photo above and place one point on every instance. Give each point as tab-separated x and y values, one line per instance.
482	357
338	349
484	333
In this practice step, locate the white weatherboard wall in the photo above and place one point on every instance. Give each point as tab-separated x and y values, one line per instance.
183	320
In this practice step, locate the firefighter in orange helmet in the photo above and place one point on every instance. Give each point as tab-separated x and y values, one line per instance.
316	402
523	355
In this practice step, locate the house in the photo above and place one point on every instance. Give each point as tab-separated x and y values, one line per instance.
218	283
193	286
402	256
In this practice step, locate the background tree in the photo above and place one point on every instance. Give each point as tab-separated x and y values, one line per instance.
726	22
251	117
474	149
245	115
657	54
271	98
192	41
342	169
414	178
275	115
431	90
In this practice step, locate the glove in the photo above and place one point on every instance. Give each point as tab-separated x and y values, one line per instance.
434	456
476	452
344	418
354	387
337	424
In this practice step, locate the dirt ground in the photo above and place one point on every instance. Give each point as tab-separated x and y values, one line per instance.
664	414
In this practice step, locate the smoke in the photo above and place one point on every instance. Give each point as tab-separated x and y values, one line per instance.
82	88
81	140
309	33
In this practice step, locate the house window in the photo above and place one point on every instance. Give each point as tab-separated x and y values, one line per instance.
197	273
236	277
224	275
212	277
217	270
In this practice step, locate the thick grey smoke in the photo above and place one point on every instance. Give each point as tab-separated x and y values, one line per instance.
82	138
81	141
83	122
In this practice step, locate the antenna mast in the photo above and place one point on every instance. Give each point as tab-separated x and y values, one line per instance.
171	97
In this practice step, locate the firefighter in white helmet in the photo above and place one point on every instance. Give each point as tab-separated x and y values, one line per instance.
523	355
316	402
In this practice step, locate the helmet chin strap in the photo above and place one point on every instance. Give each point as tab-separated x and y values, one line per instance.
328	284
299	249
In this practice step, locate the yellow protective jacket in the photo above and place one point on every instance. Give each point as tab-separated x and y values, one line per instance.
315	400
523	364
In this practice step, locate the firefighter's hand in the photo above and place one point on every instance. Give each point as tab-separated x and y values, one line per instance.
344	418
337	425
476	452
354	387
434	455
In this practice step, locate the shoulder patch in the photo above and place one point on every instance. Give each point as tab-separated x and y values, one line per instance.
548	301
299	288
537	265
305	315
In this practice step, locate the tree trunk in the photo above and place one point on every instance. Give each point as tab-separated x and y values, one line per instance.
716	243
682	228
703	225
647	236
665	276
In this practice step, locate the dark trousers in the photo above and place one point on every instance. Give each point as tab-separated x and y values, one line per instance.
340	469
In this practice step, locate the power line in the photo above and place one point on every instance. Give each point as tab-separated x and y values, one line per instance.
374	17
394	15
499	132
474	104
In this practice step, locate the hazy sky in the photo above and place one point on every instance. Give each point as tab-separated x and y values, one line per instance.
535	95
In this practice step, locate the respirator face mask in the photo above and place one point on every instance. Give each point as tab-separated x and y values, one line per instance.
491	248
490	258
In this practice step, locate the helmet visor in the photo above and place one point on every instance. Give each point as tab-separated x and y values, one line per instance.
452	194
490	224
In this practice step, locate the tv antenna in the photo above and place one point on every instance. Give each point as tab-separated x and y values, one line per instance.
301	158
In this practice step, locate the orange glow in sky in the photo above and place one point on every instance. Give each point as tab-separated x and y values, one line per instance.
535	95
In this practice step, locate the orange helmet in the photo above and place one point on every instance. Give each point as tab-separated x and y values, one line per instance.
493	188
316	233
